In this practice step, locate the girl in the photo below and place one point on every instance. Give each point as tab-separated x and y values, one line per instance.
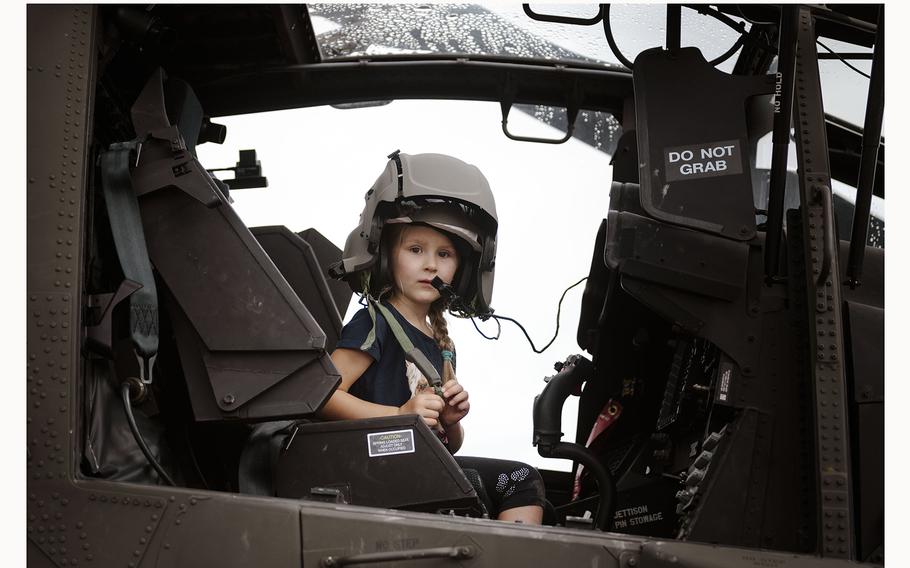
436	238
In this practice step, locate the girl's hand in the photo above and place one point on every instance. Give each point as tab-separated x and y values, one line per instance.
456	405
426	405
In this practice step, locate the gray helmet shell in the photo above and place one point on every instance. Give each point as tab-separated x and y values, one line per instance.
430	184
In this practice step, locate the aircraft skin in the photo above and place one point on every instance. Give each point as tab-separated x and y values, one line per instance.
75	519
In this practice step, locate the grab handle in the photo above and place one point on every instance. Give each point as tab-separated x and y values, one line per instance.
571	113
823	194
563	19
452	553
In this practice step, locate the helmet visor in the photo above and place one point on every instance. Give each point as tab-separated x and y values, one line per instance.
444	219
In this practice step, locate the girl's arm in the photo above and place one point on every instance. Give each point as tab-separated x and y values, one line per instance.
455	434
344	406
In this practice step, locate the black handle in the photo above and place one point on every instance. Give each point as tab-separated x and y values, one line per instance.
453	553
823	194
562	19
547	412
571	115
548	432
606	487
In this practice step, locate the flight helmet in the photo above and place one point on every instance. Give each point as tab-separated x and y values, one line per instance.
438	191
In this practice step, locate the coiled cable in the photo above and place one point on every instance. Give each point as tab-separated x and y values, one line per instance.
127	407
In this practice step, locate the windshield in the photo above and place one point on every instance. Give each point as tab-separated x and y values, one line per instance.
368	30
845	83
354	30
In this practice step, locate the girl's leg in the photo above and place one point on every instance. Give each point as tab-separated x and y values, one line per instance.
516	489
529	515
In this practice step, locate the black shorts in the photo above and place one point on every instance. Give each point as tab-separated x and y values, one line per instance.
509	484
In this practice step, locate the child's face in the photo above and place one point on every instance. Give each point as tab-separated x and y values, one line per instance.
421	254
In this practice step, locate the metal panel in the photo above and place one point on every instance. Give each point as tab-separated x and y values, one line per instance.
869	444
352	454
866	336
296	259
65	523
59	81
693	141
835	524
224	281
676	554
327	254
682	258
341	531
225	531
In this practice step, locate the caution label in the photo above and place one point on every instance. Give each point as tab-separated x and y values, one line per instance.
390	443
713	159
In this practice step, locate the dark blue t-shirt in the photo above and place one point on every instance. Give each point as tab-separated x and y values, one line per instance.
385	380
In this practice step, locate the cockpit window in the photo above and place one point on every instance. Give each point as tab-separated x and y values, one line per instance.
366	30
357	30
401	30
845	84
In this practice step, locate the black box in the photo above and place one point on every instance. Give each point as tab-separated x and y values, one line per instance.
393	462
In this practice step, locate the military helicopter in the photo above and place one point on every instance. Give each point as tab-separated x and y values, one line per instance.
731	402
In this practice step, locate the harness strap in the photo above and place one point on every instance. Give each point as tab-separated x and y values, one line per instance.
411	352
129	240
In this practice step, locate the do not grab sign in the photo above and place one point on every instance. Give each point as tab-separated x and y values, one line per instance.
703	160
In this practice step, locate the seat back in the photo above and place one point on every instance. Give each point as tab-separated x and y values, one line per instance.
300	263
249	347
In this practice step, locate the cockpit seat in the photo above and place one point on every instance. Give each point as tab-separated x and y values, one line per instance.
237	343
303	259
603	280
624	196
249	347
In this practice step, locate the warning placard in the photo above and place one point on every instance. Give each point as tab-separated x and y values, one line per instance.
724	379
696	161
390	443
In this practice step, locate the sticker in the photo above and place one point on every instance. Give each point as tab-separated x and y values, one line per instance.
778	91
724	377
634	516
396	545
390	443
696	161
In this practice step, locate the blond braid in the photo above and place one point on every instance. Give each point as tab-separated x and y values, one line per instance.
441	335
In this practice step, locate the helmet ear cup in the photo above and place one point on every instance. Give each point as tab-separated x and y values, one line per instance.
381	278
381	273
484	277
465	276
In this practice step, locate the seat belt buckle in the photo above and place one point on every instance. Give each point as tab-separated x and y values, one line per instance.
146	367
